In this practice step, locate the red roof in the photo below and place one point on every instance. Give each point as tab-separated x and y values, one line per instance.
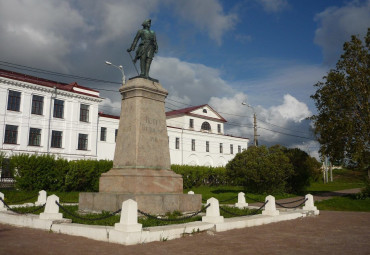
102	114
45	82
187	111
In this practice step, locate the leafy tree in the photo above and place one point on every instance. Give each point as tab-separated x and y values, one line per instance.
306	168
343	120
261	169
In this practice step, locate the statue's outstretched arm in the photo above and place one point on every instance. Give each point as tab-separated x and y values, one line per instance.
133	45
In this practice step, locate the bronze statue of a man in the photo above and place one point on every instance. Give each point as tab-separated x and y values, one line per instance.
147	47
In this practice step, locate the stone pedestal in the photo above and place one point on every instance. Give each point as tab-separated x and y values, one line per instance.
141	164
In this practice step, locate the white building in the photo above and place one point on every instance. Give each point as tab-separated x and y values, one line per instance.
43	116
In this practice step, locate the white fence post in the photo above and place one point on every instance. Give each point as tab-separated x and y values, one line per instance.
270	207
41	199
2	205
309	204
213	212
128	220
241	201
51	211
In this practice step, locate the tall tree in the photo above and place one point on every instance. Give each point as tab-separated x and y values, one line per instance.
343	120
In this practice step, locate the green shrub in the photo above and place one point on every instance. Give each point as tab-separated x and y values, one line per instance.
83	175
194	176
306	169
261	169
34	172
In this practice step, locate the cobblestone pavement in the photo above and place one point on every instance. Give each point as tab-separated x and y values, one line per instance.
328	233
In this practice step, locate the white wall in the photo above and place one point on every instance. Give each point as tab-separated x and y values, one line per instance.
70	125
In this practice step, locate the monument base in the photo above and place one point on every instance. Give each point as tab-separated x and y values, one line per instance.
148	203
140	181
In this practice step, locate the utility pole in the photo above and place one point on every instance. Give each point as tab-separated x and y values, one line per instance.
254	124
255	129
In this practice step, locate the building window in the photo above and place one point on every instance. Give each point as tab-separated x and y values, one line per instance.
56	139
191	123
37	104
58	108
219	128
239	149
206	126
115	134
11	134
193	144
207	146
103	134
34	138
221	148
14	100
82	142
84	113
177	143
231	149
205	110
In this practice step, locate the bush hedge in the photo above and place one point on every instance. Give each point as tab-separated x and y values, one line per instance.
194	176
37	172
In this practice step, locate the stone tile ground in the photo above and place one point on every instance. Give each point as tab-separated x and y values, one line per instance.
329	233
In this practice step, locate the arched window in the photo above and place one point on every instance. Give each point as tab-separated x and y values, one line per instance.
205	110
206	126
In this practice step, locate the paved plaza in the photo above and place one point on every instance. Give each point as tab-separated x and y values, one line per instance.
328	233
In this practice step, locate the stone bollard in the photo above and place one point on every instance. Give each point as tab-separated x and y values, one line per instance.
270	207
241	201
191	192
128	221
51	211
2	205
213	212
41	199
309	204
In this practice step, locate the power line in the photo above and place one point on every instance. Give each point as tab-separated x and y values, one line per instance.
37	70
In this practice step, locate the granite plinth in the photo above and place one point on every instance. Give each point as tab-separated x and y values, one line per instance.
140	181
148	203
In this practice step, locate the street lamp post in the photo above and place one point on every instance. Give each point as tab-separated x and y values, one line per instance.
119	68
254	124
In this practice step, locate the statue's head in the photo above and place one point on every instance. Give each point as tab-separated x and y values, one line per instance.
147	23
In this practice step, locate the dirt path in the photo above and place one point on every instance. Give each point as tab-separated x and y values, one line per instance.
329	233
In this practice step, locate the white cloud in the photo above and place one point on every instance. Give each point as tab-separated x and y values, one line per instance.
186	80
337	24
274	5
207	15
30	30
290	110
279	124
121	18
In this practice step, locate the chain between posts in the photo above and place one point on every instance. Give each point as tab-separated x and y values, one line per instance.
255	200
293	207
11	209
16	202
177	219
285	203
226	200
82	218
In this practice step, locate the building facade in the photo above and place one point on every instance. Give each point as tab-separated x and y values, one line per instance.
43	116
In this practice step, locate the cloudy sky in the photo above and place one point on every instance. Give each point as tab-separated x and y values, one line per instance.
267	53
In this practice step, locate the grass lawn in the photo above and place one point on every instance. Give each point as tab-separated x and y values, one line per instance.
347	203
13	196
229	194
342	179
